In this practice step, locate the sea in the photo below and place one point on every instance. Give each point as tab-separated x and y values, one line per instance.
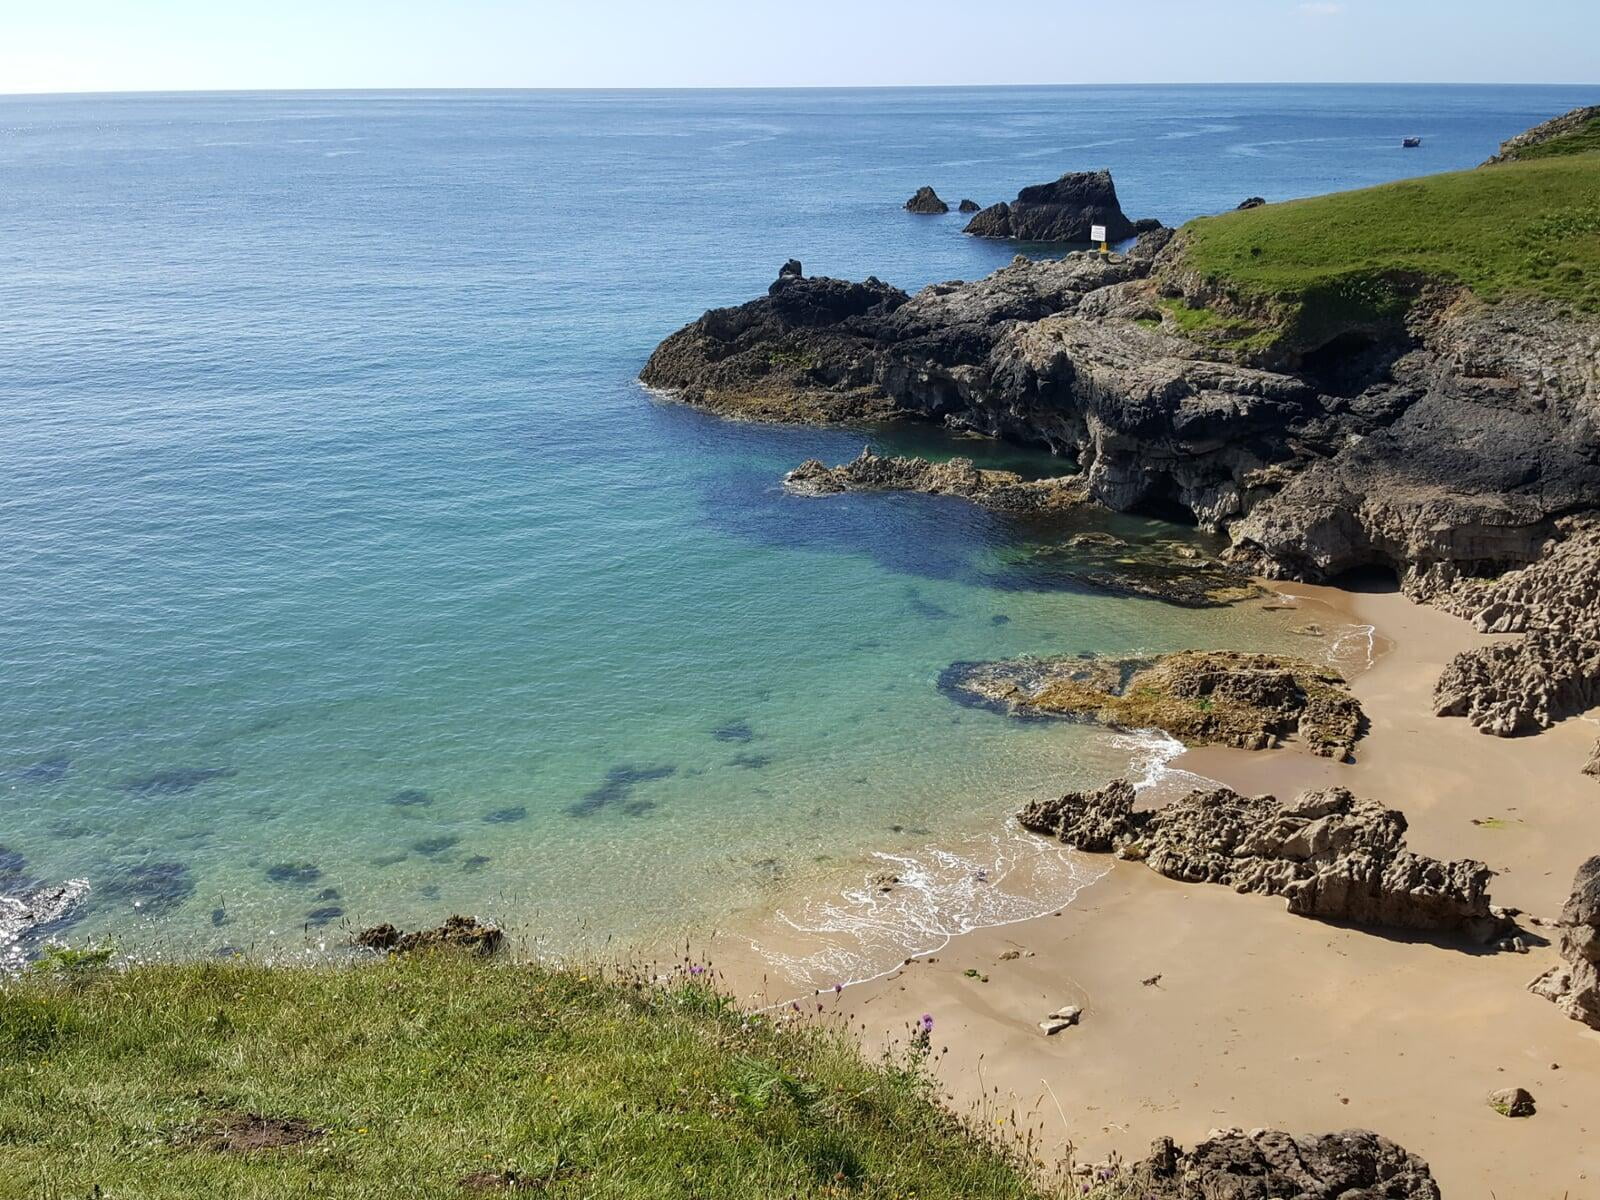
348	574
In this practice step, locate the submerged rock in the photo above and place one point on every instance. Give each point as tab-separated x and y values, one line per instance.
1331	856
1062	211
1574	984
29	916
1223	697
1356	1164
927	202
457	932
869	472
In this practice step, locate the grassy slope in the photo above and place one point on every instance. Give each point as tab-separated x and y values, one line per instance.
1528	227
426	1069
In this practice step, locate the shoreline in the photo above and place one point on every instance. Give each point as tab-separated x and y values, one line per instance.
1389	1032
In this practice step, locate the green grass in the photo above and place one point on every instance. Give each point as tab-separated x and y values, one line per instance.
423	1070
1356	258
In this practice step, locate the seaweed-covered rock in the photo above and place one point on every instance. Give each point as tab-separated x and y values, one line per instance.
1331	856
869	472
1356	1164
1062	211
1574	984
927	202
1223	697
457	932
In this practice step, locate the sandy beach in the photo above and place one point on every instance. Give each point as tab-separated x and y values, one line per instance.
1260	1019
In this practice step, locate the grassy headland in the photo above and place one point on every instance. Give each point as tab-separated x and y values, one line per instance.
441	1074
1309	268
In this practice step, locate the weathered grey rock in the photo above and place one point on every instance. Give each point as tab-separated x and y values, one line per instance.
927	202
1269	1165
1571	122
1204	697
1003	490
1574	985
1062	211
1512	1102
1331	856
1553	670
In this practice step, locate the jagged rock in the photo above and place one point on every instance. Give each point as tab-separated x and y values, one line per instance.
927	202
1553	671
791	270
1270	1165
1570	122
1592	767
1512	1102
1252	202
967	206
457	932
1220	697
869	472
1331	856
1574	985
1062	211
30	915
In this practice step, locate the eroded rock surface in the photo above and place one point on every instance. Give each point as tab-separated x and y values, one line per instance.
1553	671
457	932
1567	123
1220	697
1574	985
1061	211
927	201
1003	490
1356	1164
1330	855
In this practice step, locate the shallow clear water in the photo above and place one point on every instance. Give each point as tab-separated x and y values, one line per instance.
326	483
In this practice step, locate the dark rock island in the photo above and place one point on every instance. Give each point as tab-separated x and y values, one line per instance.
927	201
1063	211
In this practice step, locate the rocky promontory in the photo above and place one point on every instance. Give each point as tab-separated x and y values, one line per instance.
1201	697
1062	211
1330	855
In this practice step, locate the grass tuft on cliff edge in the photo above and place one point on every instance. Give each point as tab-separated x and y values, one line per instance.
444	1075
1529	227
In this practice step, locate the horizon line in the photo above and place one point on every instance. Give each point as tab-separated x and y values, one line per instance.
796	87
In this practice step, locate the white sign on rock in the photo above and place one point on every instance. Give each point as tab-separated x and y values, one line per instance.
1097	233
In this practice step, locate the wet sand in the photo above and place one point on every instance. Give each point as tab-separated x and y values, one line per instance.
1260	1019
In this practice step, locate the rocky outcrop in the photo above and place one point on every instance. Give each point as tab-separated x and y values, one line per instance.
967	206
1218	697
457	932
1270	1165
1003	490
1574	985
1593	765
1331	856
1553	670
1251	202
1576	121
1062	211
927	202
33	912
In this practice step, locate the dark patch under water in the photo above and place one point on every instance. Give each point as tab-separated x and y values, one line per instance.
12	864
321	916
175	781
219	916
153	888
502	816
389	860
329	893
926	609
475	862
49	770
435	845
617	789
409	798
733	731
753	762
294	872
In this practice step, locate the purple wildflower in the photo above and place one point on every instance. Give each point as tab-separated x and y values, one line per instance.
837	988
697	969
927	1022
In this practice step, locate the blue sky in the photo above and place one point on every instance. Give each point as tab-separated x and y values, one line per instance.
113	45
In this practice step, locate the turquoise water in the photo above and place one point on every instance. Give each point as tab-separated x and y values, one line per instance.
349	574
